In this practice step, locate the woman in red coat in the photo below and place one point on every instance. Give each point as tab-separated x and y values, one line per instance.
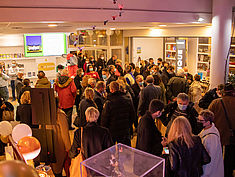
92	73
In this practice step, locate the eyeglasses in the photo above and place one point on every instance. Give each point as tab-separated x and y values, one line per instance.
198	120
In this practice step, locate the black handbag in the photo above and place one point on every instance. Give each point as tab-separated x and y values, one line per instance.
232	134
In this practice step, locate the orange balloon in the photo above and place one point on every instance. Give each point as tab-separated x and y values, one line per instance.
29	147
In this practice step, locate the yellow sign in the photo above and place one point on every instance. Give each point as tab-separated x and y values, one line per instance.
46	66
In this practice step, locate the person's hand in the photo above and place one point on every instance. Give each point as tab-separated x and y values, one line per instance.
3	106
164	141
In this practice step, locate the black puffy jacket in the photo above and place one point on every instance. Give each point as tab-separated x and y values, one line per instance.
187	162
118	114
206	100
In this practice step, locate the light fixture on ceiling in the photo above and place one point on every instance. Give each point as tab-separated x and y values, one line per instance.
162	25
112	28
200	19
52	25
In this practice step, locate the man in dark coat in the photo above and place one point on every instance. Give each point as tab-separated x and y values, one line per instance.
112	60
139	84
167	74
211	95
181	107
148	136
107	77
177	85
148	93
118	114
99	97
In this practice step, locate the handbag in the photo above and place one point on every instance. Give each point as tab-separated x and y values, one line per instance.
232	136
76	168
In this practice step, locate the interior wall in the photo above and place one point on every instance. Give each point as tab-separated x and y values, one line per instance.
192	55
147	48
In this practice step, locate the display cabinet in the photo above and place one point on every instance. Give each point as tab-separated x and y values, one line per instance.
232	57
170	50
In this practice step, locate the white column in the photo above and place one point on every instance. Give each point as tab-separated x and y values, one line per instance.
221	34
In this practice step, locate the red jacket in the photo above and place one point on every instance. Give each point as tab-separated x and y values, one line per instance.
94	75
66	90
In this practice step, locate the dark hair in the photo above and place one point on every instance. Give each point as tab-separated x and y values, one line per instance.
26	82
129	68
60	66
220	86
150	59
159	59
156	105
132	65
197	77
105	70
157	79
207	115
171	68
228	89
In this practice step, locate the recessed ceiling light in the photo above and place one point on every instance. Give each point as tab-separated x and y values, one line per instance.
161	25
200	19
112	28
52	25
196	22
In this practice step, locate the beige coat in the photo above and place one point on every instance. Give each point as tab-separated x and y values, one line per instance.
61	140
220	119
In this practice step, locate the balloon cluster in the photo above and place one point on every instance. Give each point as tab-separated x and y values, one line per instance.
114	17
28	146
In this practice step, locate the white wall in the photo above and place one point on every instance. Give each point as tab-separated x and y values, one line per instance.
150	48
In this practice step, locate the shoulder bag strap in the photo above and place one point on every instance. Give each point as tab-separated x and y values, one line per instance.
209	134
226	114
82	150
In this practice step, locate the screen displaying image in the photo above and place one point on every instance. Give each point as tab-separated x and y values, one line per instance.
33	45
45	44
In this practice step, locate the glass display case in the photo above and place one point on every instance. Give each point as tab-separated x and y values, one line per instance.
123	161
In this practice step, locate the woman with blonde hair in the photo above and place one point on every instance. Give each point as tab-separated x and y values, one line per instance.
187	154
24	110
86	102
94	137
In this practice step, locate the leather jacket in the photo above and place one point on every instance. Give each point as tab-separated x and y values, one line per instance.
187	162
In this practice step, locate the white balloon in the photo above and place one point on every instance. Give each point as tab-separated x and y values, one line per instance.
5	128
21	131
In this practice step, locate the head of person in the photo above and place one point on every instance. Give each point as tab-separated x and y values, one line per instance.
114	86
80	72
114	57
180	72
154	69
149	79
20	75
157	79
129	69
219	90
151	62
100	86
206	118
159	61
90	68
132	65
26	82
122	85
185	70
228	89
137	69
118	62
155	108
41	74
92	114
60	68
105	73
112	69
170	69
85	81
92	82
181	128
182	101
166	65
89	93
123	79
25	98
140	80
64	72
197	77
13	63
102	56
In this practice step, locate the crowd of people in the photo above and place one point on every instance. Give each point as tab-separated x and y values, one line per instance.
116	101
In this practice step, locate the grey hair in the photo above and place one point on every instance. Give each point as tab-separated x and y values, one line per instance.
180	72
92	114
183	96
